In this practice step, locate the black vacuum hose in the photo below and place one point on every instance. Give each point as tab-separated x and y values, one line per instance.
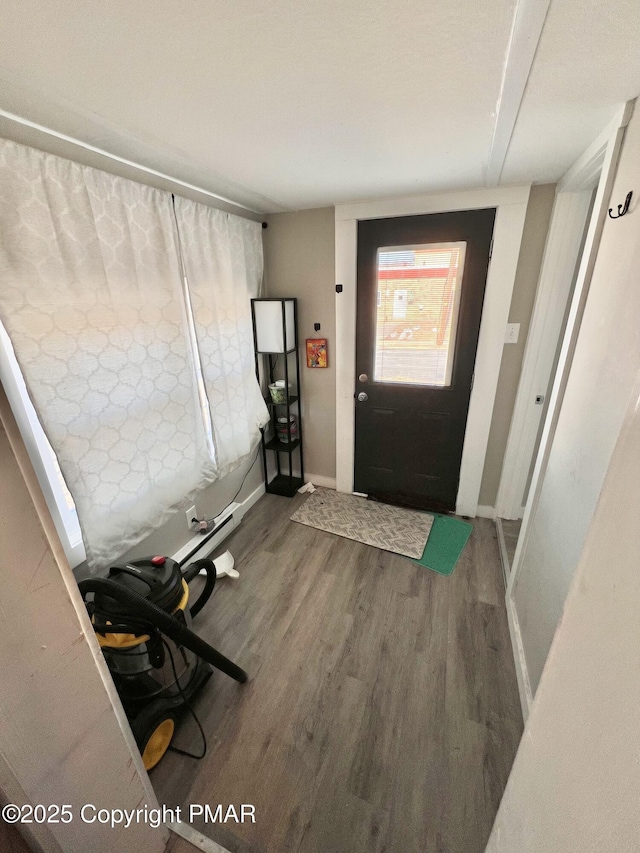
172	628
190	573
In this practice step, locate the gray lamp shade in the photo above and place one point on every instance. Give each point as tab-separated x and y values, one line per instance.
273	332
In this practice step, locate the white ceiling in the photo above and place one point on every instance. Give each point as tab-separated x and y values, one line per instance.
302	103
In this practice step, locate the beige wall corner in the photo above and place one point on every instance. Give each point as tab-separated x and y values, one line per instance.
299	262
534	237
61	739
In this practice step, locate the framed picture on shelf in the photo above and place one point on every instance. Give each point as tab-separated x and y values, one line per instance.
317	352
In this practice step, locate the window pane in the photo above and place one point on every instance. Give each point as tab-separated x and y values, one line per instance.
417	312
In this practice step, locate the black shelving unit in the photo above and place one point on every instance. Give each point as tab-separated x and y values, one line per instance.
285	453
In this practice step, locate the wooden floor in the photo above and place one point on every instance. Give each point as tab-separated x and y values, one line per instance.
11	841
382	710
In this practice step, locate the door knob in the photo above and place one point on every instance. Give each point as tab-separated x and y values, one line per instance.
362	397
363	377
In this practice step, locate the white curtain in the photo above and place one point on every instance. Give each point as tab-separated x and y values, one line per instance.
91	296
223	264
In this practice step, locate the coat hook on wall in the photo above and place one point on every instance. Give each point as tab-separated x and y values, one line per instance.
622	209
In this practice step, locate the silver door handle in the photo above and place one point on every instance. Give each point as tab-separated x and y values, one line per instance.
362	397
363	377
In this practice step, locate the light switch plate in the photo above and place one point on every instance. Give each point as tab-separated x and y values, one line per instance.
512	333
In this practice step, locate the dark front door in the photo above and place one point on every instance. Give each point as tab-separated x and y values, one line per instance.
421	282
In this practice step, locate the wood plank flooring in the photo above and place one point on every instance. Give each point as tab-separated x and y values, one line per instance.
11	841
382	711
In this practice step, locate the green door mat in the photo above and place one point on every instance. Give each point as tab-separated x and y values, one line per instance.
445	544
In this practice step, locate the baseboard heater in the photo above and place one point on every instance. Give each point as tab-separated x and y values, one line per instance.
201	546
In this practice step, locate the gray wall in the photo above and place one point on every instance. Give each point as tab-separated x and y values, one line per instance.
299	261
534	237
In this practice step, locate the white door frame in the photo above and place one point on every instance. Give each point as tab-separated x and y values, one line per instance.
511	207
557	274
609	142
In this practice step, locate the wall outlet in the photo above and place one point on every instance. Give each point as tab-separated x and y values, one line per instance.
191	513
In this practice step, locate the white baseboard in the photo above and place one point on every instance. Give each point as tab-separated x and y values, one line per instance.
522	673
486	511
201	546
316	479
319	480
504	556
253	498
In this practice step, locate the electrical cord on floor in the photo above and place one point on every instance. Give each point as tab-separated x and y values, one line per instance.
190	709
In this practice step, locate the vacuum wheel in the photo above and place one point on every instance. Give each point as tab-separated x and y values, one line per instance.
153	731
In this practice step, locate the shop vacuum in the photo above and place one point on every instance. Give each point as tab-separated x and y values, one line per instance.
142	620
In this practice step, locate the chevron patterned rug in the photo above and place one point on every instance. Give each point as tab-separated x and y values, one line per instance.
391	528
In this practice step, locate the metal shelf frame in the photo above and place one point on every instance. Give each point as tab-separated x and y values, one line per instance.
285	482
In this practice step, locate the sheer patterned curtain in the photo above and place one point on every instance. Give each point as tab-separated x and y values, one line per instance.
91	297
223	264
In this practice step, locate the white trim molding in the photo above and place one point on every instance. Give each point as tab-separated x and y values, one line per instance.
345	361
27	132
502	547
321	480
528	23
197	840
522	673
486	512
511	207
